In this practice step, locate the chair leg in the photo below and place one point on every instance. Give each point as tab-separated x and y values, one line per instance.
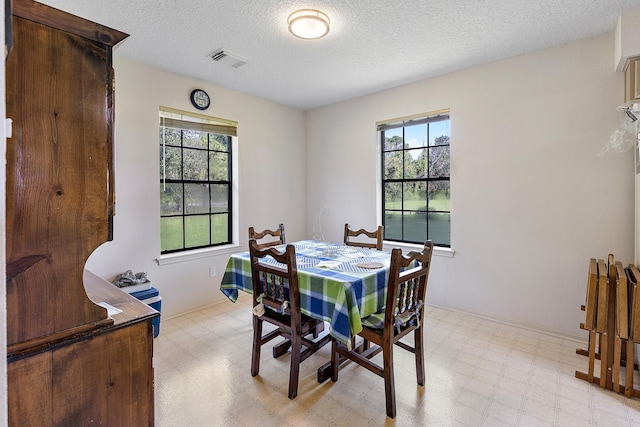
317	330
592	355
257	344
628	385
617	356
389	379
604	360
419	350
294	372
335	360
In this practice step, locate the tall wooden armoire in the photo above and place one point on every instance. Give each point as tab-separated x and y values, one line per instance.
70	361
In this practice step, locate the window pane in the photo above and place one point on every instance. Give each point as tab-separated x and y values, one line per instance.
171	233
415	227
196	230
194	138
415	136
218	142
393	139
170	136
393	225
219	164
195	165
415	196
219	198
393	195
439	196
170	163
415	163
393	165
439	162
415	185
439	132
196	198
170	199
219	228
440	228
195	184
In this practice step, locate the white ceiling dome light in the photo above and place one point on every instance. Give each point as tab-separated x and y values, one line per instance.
308	24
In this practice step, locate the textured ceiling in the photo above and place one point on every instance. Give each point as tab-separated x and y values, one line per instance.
372	45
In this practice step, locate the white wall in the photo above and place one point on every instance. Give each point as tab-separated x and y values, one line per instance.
271	179
531	200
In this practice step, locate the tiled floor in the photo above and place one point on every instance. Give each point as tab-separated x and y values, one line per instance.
478	373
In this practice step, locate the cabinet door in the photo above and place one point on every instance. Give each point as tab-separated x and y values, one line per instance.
102	380
57	173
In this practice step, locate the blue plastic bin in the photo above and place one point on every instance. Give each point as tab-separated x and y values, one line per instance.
152	298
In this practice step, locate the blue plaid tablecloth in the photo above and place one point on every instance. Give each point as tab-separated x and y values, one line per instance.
341	295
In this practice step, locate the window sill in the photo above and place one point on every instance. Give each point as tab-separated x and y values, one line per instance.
197	254
437	250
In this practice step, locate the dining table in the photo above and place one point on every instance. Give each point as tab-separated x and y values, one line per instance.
338	284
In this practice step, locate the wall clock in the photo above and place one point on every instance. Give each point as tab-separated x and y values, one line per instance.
200	99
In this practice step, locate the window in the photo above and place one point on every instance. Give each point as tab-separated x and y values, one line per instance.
415	179
195	181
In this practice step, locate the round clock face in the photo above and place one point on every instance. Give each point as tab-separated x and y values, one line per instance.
200	99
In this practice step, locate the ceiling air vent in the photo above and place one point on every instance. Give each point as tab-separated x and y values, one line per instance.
225	56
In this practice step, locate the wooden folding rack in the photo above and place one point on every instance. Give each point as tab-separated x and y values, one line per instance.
612	318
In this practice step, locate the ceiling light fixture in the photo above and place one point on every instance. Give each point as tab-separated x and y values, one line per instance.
308	24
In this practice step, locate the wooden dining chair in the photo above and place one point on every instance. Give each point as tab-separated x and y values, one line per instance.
604	321
351	237
404	313
276	300
276	237
622	323
591	309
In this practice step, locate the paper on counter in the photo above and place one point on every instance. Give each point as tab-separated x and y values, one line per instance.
328	264
111	310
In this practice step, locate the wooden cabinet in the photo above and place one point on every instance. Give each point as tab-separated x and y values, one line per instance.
68	360
59	95
104	378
